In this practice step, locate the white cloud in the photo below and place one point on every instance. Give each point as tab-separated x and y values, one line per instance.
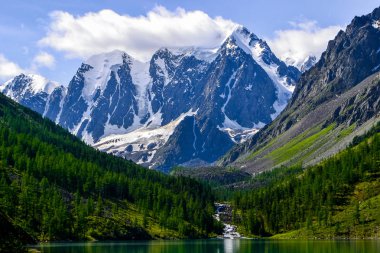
8	69
303	40
43	59
106	30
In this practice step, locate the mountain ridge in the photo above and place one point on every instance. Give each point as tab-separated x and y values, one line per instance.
230	92
351	58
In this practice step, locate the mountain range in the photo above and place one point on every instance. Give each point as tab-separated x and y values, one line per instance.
186	106
296	154
335	100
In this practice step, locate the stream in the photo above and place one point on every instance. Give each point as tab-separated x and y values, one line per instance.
223	213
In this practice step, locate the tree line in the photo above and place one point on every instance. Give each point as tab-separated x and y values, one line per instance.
52	184
295	198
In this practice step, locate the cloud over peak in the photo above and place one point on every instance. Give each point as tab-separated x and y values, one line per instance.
302	40
43	59
8	68
106	30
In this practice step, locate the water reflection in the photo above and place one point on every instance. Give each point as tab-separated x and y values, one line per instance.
217	246
231	246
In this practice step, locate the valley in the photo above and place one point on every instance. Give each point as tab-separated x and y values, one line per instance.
224	148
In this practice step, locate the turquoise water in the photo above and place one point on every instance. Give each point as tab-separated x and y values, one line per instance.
216	246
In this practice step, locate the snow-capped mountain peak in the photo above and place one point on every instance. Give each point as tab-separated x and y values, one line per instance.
31	82
100	67
100	61
309	62
262	54
185	104
203	54
36	92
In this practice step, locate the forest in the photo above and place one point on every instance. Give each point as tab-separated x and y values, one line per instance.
338	197
55	187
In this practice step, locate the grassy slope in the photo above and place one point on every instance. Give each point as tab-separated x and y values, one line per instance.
299	144
357	217
307	141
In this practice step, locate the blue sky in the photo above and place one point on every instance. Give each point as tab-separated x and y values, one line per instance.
35	40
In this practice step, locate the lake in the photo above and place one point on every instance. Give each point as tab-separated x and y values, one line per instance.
217	246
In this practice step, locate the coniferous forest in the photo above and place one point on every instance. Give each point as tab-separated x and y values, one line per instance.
339	197
54	187
121	132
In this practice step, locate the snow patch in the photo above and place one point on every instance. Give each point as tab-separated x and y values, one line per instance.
203	54
227	122
141	79
34	84
195	138
41	84
61	106
141	138
376	24
98	76
161	64
253	46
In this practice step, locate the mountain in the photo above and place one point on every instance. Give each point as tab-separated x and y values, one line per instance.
36	93
308	63
334	199
55	187
334	100
185	106
304	65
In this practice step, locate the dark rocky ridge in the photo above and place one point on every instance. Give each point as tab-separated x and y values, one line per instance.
325	94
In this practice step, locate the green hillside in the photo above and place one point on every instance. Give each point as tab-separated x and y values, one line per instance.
337	198
55	187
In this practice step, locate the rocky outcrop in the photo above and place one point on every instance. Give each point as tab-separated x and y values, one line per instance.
342	88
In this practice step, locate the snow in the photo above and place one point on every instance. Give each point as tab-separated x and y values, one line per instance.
195	138
376	24
241	135
248	88
61	106
251	45
237	133
227	122
141	78
203	54
102	65
155	120
36	84
97	78
86	137
110	129
144	135
161	64
47	107
41	84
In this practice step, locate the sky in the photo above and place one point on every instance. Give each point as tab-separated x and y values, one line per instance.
53	37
